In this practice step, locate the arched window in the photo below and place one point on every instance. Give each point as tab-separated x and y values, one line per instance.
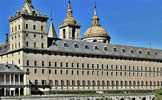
56	83
134	83
78	83
64	33
68	83
73	33
84	83
62	83
103	83
73	83
93	83
108	83
89	83
98	83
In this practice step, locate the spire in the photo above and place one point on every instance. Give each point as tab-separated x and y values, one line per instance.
51	31
69	12
95	19
69	18
95	12
27	8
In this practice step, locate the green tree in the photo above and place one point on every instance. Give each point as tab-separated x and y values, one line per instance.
158	94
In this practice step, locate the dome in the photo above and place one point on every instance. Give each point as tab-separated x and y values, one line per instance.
96	31
69	19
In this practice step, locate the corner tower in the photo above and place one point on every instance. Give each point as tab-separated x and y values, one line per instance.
96	33
70	29
28	28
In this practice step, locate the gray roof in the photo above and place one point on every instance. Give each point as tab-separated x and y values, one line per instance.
4	48
83	47
10	68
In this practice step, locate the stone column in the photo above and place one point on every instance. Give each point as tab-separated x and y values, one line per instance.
4	79
19	91
10	80
10	92
19	79
13	79
4	91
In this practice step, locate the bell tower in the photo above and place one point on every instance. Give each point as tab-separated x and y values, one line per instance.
70	29
28	28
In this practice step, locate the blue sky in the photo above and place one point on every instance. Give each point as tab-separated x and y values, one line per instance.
128	22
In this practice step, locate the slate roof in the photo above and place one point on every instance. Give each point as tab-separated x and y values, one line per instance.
10	68
83	47
4	47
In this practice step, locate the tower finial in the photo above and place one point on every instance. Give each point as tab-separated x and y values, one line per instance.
95	12
51	17
95	19
69	12
28	1
69	6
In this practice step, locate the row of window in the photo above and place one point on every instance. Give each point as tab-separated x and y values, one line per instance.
27	45
98	73
15	45
97	66
27	35
132	51
100	83
35	44
34	27
16	28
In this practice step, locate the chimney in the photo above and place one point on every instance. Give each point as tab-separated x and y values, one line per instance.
6	37
149	45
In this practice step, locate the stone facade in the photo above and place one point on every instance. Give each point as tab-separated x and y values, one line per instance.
68	64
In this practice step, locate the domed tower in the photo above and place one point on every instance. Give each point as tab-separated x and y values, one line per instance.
70	29
96	33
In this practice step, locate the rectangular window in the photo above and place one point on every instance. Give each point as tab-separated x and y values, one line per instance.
34	27
36	82
43	82
35	63
55	71
87	66
34	44
77	65
19	27
66	64
27	63
41	28
49	71
42	71
61	72
42	45
27	44
82	65
49	64
35	71
92	66
26	26
66	72
42	63
19	61
61	64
